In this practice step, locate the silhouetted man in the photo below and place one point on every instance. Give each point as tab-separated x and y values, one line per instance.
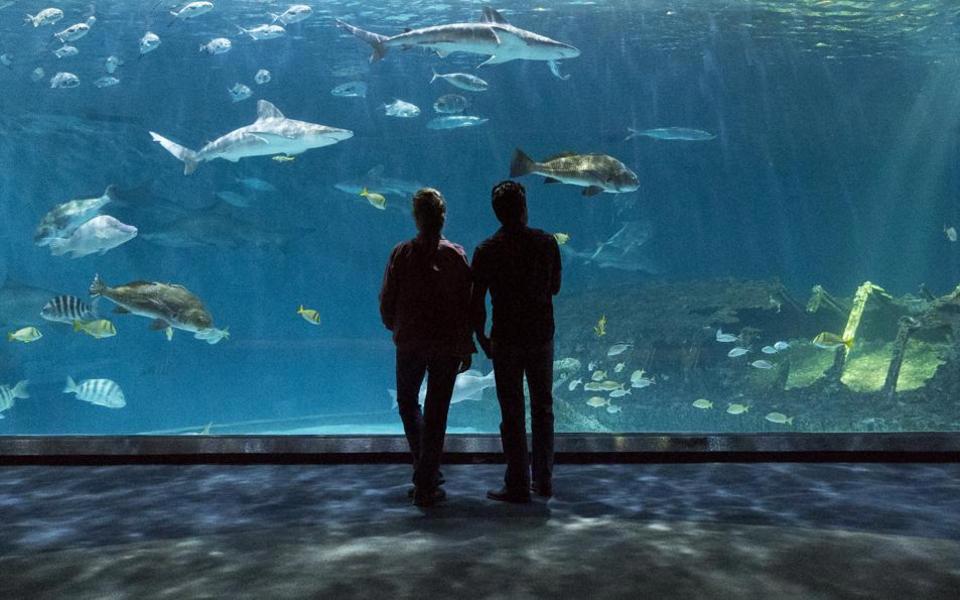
425	303
521	268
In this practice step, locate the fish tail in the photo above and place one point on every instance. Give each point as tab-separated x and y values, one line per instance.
70	387
275	17
20	390
789	420
97	287
374	39
10	337
848	342
30	19
435	75
364	192
521	164
300	310
188	156
633	133
242	31
77	326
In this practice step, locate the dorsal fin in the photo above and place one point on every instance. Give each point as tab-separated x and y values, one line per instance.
266	110
492	16
376	171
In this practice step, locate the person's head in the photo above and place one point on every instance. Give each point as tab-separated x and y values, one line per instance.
510	203
429	211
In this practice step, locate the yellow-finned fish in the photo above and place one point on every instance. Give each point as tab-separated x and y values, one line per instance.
283	158
776	417
737	409
597	402
601	327
562	238
702	403
309	315
831	341
25	335
101	328
375	199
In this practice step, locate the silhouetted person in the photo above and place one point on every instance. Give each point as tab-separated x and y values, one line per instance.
521	268
425	303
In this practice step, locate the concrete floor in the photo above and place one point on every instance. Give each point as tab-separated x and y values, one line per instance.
771	531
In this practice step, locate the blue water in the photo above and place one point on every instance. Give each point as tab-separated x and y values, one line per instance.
835	161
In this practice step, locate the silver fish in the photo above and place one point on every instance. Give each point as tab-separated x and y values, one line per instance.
762	364
450	104
768	350
725	338
401	109
781	346
64	81
102	392
67	309
96	236
454	122
594	172
65	218
672	134
618	349
351	89
464	81
738	351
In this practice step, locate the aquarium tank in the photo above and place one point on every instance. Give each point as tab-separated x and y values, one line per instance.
755	202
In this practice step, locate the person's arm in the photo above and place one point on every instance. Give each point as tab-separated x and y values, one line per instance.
388	291
557	268
478	303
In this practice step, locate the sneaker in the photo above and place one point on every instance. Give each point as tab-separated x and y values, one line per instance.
425	498
506	495
544	490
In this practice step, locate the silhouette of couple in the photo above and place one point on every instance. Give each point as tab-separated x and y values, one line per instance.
434	302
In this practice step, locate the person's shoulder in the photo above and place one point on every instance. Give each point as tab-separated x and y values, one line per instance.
541	235
445	243
401	248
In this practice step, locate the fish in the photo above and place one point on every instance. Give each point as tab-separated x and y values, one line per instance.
166	304
469	386
65	51
374	179
234	199
592	386
672	134
96	236
37	74
263	32
217	46
567	364
780	418
609	386
262	77
622	251
401	110
598	401
283	158
618	349
619	367
294	14
493	36
62	220
762	364
574	384
781	346
737	409
598	376
450	104
75	31
239	92
455	122
562	238
592	366
271	133
600	329
702	403
102	392
99	329
309	315
68	309
64	81
149	42
9	395
619	393
768	350
464	81
19	303
614	409
950	232
376	200
216	228
24	335
192	10
47	16
642	382
738	351
111	63
595	173
106	82
351	89
726	338
831	341
256	184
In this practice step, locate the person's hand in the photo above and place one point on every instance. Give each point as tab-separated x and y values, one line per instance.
465	363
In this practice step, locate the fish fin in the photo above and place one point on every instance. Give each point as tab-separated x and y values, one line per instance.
435	75
186	155
71	386
375	40
266	110
58	246
593	190
554	66
169	333
789	420
632	133
77	326
94	308
120	310
275	17
521	164
97	286
491	15
158	325
20	390
493	60
848	342
441	54
551	180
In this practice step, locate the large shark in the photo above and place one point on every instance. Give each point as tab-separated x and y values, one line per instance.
493	36
271	133
375	181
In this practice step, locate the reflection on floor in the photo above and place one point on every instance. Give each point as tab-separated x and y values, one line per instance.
629	531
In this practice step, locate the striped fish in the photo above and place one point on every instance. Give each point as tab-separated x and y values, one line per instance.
68	309
103	392
9	394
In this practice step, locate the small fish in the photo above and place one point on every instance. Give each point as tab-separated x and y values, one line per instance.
593	386
726	338
25	335
217	46
637	375
464	81
47	16
351	89
65	51
567	364
762	364
294	14
738	351
263	32
575	383
600	329
618	349
592	366
239	92
284	158
614	408
262	77
455	122
562	238
67	309
37	74
75	31
111	63
619	393
768	350
8	395
192	10
781	418
609	386
737	409
106	81
620	367
401	110
450	104
102	392
149	42
64	81
673	134
702	403
831	341
642	382
950	232
376	200
781	346
598	401
598	376
99	329
309	315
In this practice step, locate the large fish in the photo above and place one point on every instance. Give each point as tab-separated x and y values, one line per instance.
170	306
493	36
374	179
468	386
595	172
218	230
96	236
65	218
271	133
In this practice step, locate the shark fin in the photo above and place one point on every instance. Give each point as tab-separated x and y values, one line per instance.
376	171
555	69
374	39
266	110
188	156
493	60
491	15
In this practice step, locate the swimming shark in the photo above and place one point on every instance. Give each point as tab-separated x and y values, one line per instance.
493	36
271	133
375	181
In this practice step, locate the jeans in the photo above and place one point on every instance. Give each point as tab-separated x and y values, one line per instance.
425	430
510	364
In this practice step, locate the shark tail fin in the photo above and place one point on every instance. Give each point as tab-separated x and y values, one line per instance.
393	396
20	390
188	156
435	75
274	16
30	19
633	132
521	164
374	39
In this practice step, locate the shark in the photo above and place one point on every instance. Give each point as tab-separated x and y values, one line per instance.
493	36
375	181
271	133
